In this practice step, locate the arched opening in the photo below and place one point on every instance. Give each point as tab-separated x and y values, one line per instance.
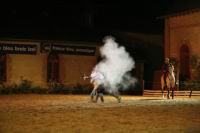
2	68
53	67
184	63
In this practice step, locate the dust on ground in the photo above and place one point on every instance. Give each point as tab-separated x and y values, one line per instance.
76	114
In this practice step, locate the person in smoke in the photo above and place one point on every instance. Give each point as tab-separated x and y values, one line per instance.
165	69
99	93
97	79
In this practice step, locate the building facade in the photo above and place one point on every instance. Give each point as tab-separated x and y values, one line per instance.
182	43
44	61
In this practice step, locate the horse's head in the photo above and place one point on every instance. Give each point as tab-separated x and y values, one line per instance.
171	68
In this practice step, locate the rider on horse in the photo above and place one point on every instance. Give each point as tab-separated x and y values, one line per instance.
165	69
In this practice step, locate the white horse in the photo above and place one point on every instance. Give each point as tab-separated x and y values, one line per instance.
170	83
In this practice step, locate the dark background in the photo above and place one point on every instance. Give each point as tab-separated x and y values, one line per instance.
86	19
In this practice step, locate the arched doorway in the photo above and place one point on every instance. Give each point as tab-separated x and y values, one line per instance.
2	68
184	63
53	67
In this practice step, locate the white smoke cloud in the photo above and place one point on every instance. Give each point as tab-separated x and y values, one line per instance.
116	64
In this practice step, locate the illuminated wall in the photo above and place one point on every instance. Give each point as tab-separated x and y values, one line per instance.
182	40
73	68
33	66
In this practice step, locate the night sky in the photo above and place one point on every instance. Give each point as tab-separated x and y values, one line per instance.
59	19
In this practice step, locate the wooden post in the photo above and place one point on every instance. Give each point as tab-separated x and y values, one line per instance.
143	82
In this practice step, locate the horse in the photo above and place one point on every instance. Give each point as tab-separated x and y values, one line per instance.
170	82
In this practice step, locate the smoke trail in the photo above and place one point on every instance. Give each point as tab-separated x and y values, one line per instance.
115	65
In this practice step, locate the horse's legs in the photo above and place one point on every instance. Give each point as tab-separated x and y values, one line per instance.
163	93
173	92
168	94
162	87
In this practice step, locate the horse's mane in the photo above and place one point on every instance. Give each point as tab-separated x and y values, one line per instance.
171	69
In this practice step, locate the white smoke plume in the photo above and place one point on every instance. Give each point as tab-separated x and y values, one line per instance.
116	64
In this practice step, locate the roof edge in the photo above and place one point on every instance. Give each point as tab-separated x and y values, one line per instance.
179	13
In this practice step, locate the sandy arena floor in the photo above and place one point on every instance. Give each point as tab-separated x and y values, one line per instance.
75	114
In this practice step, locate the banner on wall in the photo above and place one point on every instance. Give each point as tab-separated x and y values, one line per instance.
17	49
68	49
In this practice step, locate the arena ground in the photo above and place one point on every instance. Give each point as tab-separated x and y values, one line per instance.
75	114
